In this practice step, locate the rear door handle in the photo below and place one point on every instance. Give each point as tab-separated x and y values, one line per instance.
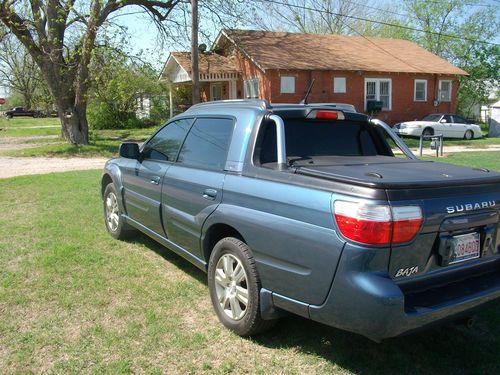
210	194
155	180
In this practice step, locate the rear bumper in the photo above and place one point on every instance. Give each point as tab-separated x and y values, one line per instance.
373	305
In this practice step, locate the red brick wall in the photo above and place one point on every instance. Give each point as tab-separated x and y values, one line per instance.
404	107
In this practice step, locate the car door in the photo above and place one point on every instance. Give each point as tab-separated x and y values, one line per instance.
445	126
192	187
459	126
142	179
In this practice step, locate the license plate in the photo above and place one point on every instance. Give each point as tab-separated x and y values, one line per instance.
465	247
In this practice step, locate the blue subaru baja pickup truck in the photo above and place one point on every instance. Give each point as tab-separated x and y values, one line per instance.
305	209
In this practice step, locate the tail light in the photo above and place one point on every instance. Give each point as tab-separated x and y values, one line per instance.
319	114
373	224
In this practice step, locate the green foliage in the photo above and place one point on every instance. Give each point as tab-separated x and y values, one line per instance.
442	19
125	92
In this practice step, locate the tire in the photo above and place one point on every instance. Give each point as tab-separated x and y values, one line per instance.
428	131
468	135
115	224
232	281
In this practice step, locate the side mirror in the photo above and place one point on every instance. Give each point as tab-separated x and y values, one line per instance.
443	121
130	150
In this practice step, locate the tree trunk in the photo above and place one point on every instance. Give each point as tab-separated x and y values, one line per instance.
74	125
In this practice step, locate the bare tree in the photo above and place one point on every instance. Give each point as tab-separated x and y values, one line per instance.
311	16
60	36
19	72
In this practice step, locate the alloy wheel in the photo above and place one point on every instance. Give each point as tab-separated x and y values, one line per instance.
112	212
231	286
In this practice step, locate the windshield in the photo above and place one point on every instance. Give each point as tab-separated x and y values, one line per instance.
434	117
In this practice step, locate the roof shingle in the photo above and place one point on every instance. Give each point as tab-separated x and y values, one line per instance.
299	51
208	63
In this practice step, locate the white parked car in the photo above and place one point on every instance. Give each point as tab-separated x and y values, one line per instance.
449	125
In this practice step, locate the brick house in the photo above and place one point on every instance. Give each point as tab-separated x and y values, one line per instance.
277	66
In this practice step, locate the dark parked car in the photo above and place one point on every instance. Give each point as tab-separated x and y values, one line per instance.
305	209
20	111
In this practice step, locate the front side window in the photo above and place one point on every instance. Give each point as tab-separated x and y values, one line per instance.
287	85
251	88
165	144
445	91
379	89
420	90
207	143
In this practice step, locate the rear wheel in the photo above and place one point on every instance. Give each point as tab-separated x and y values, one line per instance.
235	286
468	135
115	224
428	132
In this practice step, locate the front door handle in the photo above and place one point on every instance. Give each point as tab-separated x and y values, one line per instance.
155	180
210	194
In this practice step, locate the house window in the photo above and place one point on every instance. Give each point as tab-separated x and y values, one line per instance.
339	85
251	88
420	94
445	91
379	89
287	85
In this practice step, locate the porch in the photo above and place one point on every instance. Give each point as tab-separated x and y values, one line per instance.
218	77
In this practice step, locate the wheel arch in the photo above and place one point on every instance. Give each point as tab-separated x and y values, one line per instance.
430	128
214	234
105	181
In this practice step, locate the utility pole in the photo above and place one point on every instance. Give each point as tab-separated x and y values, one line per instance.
195	76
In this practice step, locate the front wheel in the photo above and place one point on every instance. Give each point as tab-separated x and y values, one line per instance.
468	135
235	286
115	224
428	132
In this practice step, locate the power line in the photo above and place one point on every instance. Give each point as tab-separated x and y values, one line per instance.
378	22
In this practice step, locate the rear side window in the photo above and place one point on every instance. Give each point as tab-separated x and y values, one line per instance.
165	144
309	138
207	143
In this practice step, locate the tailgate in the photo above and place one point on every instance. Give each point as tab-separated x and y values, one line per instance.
459	236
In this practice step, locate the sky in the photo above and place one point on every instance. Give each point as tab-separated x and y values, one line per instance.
144	36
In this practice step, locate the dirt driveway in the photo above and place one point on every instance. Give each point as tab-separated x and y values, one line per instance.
19	166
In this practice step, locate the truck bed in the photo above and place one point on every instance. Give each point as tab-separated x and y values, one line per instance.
386	172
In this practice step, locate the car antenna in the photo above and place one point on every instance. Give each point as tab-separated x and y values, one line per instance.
304	101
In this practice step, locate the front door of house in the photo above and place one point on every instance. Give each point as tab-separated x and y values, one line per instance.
215	91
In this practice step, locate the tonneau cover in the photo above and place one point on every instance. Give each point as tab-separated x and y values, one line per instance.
387	172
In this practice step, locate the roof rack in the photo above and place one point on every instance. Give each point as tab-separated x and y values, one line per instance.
260	103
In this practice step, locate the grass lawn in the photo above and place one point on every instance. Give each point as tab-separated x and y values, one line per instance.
73	300
473	143
102	142
476	159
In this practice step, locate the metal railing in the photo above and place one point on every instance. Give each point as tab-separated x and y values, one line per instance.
436	143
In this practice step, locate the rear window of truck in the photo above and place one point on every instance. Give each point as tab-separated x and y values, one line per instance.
310	138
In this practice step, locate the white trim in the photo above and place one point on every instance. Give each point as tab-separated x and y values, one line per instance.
415	90
439	90
377	90
345	85
233	92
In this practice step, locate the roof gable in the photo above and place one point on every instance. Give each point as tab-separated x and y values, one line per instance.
299	51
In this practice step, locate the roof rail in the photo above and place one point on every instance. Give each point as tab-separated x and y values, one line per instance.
261	103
